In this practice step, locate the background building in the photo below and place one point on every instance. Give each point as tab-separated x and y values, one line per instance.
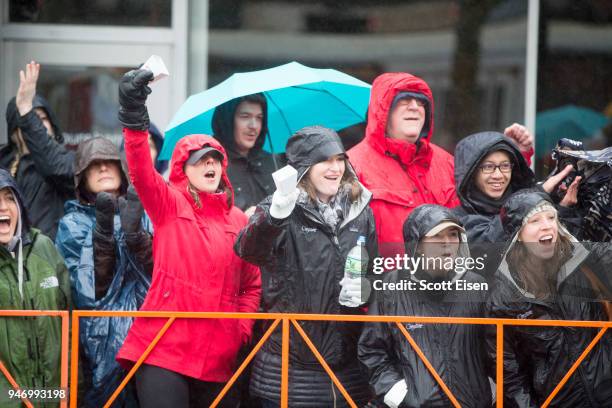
489	62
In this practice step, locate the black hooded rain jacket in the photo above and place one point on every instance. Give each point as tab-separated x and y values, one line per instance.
302	262
45	174
456	351
537	358
251	176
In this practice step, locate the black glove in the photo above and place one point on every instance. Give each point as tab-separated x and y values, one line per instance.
133	91
138	241
105	213
104	243
130	211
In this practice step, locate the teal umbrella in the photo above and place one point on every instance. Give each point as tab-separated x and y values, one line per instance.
297	96
570	121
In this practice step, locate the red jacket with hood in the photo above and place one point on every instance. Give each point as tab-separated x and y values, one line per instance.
195	268
400	176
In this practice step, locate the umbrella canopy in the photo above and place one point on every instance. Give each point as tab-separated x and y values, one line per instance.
570	121
297	96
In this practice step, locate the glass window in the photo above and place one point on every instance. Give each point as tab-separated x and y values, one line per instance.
84	99
154	13
574	97
472	54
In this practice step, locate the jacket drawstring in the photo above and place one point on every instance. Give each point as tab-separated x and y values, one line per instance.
20	267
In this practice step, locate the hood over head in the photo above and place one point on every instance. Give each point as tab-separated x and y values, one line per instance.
97	148
514	215
423	220
180	155
383	96
23	224
470	152
12	117
311	145
223	121
517	208
20	238
158	141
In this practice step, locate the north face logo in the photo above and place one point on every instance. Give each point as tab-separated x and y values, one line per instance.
50	282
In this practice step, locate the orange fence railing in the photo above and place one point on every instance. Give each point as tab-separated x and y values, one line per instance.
64	315
286	320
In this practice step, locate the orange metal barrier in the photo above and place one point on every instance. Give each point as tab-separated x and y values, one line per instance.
64	315
286	319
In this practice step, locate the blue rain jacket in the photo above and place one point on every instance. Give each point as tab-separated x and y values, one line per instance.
101	338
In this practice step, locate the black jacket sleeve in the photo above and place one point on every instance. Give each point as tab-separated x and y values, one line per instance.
104	262
53	161
140	244
517	389
260	241
375	353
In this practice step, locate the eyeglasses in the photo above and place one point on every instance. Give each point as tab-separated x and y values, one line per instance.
488	168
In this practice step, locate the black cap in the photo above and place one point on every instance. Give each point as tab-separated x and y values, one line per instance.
196	155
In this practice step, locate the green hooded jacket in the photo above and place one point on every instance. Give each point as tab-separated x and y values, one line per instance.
30	347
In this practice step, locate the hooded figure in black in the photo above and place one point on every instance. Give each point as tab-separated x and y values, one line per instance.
40	163
301	249
250	173
456	351
546	274
479	211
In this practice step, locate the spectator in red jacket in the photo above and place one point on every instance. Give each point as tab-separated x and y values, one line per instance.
195	268
397	162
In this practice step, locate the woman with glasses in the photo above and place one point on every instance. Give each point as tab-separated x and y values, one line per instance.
489	167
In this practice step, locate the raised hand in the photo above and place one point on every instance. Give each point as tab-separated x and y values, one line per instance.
571	196
520	135
27	87
133	92
553	181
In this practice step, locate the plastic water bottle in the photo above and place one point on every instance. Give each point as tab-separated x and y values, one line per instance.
357	260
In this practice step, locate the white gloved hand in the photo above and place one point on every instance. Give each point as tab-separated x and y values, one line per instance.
395	396
355	291
283	204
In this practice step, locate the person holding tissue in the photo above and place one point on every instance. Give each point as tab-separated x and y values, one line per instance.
195	268
300	237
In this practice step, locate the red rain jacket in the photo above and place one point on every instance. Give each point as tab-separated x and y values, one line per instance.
195	268
400	177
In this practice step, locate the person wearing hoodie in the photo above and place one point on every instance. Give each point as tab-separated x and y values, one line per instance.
456	351
241	125
35	155
397	160
301	241
156	143
489	167
195	267
33	277
105	240
546	274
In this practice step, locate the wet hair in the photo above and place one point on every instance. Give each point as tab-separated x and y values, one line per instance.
222	186
347	178
255	98
537	279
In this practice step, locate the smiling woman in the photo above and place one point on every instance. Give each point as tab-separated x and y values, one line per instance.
34	277
9	214
547	274
301	240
